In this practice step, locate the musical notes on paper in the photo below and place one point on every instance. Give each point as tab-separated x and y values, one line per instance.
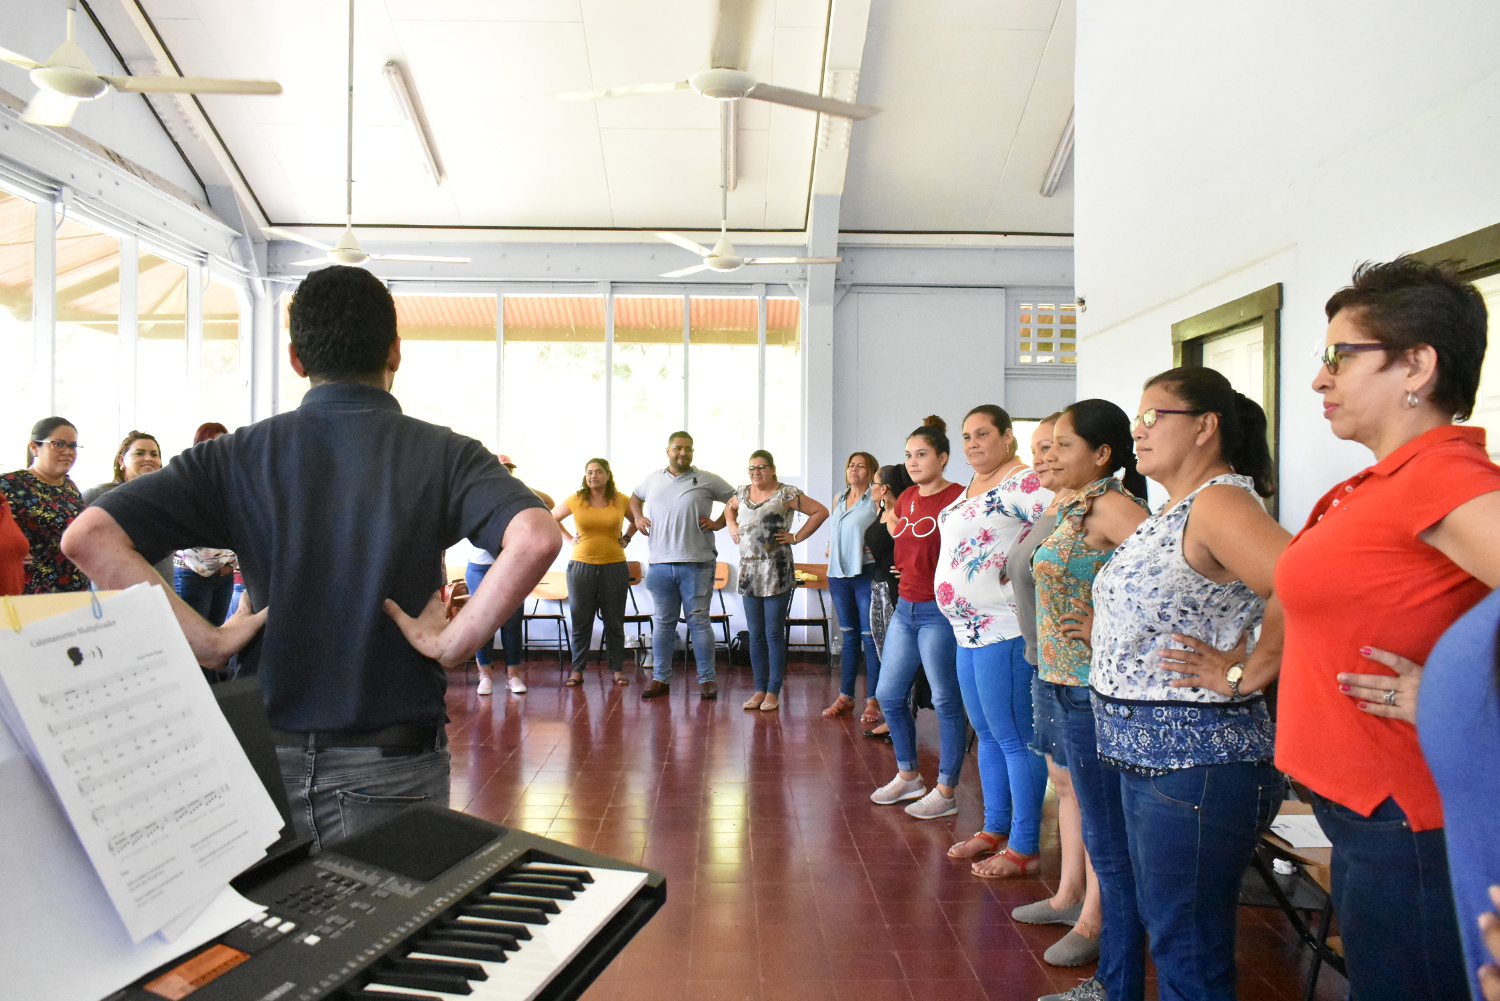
146	769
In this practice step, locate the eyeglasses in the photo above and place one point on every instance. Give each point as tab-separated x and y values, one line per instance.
1149	417
58	445
757	469
1332	357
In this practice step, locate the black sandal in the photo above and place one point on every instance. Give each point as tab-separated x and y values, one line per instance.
574	680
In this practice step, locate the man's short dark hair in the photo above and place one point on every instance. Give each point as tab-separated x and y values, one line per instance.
343	321
1404	304
679	434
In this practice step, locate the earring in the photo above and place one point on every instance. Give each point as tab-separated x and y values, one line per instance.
1412	399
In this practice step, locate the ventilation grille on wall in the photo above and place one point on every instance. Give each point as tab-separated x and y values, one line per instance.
1047	334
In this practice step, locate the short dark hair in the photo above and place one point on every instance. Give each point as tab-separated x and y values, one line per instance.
1099	423
679	434
1406	303
343	321
130	439
42	430
998	416
1242	422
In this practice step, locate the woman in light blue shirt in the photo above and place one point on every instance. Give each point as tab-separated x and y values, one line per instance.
850	571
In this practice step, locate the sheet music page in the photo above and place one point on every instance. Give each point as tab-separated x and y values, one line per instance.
116	711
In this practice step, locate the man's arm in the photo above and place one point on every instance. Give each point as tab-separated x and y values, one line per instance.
530	544
101	549
638	516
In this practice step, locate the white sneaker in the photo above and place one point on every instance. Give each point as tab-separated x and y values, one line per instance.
485	685
933	805
516	685
898	789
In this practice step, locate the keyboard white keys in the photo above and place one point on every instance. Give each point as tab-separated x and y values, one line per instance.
551	947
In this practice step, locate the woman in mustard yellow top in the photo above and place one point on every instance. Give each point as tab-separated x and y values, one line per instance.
597	576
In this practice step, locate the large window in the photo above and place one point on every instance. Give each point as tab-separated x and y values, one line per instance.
92	376
162	400
225	381
723	383
784	384
553	396
648	389
20	406
447	373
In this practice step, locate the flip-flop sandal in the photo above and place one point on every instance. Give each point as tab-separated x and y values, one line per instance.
841	705
574	680
989	845
622	681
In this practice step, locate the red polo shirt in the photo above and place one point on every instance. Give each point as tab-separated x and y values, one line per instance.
1359	575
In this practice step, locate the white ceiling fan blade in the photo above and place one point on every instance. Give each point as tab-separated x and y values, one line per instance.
685	243
793	260
734	27
632	90
191	85
812	102
316	262
277	233
50	108
419	257
685	271
16	59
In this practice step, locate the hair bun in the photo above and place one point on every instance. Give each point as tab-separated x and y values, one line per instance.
934	421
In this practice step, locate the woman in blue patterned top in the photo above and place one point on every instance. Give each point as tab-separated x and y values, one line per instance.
1192	768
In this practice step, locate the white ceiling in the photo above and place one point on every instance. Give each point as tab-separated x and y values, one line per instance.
975	95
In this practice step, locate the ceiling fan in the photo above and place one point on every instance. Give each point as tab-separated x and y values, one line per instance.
726	78
347	250
67	79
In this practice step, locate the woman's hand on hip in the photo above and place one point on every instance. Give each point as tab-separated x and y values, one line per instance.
1202	665
1381	694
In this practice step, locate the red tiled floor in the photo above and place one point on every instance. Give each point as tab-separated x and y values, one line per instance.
785	883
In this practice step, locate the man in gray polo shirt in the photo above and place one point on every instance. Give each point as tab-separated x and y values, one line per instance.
672	508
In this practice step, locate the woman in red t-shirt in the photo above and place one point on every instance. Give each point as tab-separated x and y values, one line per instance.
1386	562
919	634
15	550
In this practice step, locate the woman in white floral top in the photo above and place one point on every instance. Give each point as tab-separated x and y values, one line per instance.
1003	501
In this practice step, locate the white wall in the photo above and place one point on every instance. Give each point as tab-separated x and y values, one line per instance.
1225	147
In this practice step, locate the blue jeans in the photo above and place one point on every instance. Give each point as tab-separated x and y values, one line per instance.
1122	943
338	791
921	636
510	632
208	596
996	684
1191	834
681	589
766	618
851	600
1395	905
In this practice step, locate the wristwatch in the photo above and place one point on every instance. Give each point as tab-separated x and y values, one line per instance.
1233	676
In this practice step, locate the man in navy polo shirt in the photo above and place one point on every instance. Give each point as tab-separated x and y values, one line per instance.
340	512
671	508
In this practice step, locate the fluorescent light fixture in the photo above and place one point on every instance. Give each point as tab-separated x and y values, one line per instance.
405	96
1060	158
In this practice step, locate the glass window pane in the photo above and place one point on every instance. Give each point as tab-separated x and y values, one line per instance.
784	385
19	408
89	369
723	383
553	397
447	373
225	386
648	384
290	386
161	355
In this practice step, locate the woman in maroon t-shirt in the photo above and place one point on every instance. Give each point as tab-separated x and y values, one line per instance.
920	635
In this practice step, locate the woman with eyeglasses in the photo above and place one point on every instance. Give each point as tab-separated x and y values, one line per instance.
1003	501
1188	770
44	502
598	574
1388	560
886	486
1090	443
851	571
919	635
139	453
759	518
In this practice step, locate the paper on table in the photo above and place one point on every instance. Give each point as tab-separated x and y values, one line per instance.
1300	830
116	711
62	938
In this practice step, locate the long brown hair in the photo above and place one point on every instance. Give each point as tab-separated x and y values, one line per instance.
130	439
610	493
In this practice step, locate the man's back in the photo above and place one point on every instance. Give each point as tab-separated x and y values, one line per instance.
332	508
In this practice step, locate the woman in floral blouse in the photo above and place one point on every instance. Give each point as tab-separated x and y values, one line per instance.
1003	501
44	502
